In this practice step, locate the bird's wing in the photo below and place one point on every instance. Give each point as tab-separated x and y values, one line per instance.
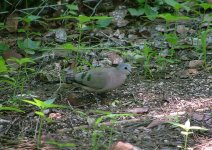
96	79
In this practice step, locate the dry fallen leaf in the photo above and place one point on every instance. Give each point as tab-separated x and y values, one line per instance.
12	23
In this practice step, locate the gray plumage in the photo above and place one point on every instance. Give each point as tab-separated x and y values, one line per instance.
103	79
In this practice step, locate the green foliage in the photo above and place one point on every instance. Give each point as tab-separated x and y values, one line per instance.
187	127
99	128
144	8
169	17
30	18
3	47
9	80
3	108
22	61
172	38
3	67
42	105
72	9
29	46
152	12
206	6
101	21
2	26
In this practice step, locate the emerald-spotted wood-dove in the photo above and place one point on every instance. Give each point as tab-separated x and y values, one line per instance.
102	79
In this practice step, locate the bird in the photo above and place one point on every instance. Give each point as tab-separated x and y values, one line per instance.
102	79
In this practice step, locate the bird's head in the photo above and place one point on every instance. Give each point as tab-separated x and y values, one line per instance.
125	68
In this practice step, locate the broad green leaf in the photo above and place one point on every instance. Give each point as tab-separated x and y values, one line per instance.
50	101
136	12
173	3
151	12
103	22
28	43
72	7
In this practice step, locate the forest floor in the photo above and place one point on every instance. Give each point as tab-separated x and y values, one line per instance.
174	86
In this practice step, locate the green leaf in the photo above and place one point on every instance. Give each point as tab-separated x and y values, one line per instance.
7	79
83	19
136	12
31	18
198	128
72	7
103	22
39	103
41	114
3	67
206	6
22	61
10	109
30	102
171	38
50	101
28	45
168	17
4	47
173	3
151	12
68	46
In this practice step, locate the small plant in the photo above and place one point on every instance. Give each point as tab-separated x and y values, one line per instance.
42	105
99	128
22	72
144	8
149	54
204	44
187	127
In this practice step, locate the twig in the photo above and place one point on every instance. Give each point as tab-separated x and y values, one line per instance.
94	9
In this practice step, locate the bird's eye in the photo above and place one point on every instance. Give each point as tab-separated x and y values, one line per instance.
125	68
